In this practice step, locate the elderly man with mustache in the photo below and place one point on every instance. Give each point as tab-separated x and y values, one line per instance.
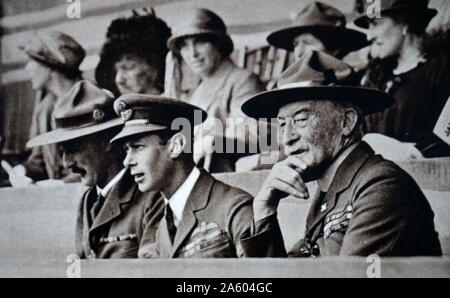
364	204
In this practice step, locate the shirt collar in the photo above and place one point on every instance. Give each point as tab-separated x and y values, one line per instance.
107	189
324	182
179	199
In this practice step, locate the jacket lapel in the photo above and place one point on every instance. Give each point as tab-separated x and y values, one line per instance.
342	180
120	194
198	200
86	221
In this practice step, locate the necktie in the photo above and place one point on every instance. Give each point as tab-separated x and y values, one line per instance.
97	206
172	229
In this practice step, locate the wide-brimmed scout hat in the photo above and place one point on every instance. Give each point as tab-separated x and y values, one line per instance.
86	109
201	22
417	8
144	35
326	23
55	49
316	76
144	113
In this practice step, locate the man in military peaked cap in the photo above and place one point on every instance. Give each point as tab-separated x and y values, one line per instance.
204	217
114	218
364	204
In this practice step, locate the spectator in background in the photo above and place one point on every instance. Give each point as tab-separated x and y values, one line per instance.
201	40
319	27
53	66
415	69
132	59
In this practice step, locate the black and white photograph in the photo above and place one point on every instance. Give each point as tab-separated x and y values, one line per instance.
213	139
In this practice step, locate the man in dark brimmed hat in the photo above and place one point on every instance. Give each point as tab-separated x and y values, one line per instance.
204	217
364	204
114	218
132	60
320	27
53	66
202	41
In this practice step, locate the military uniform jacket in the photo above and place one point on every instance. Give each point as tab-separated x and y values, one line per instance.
372	207
127	220
215	217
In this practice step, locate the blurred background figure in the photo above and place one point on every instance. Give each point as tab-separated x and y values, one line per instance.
202	42
321	27
132	60
53	66
414	67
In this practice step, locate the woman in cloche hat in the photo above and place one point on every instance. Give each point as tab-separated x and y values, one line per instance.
319	27
201	40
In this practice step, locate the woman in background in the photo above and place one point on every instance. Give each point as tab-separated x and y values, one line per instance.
201	40
132	60
415	69
319	27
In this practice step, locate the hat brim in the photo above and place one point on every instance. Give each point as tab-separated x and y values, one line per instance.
54	64
132	130
228	44
267	104
66	134
349	40
363	21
